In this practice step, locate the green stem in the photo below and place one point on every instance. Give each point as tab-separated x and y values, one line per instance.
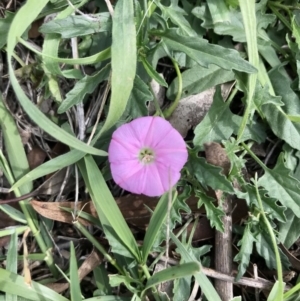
280	16
98	246
292	291
168	112
273	239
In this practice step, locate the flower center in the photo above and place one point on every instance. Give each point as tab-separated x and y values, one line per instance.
146	156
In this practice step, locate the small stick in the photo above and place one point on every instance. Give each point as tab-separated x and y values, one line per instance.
216	155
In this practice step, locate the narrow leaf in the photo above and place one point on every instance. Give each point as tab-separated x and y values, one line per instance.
123	60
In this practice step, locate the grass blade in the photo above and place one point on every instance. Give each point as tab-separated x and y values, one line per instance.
123	60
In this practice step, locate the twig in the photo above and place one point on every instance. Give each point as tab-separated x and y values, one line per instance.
110	8
100	110
258	283
256	277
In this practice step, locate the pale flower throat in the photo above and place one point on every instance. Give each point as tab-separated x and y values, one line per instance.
146	156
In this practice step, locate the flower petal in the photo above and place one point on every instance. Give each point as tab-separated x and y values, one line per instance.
118	151
170	156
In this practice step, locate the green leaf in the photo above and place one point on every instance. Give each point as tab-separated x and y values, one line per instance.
289	230
137	103
109	298
271	208
87	85
74	279
14	284
109	213
206	286
12	261
281	185
14	213
249	20
156	223
27	13
217	124
175	14
76	26
4	27
153	73
276	292
235	26
243	256
213	213
218	11
50	166
277	117
208	175
123	60
265	249
198	79
14	147
204	53
182	270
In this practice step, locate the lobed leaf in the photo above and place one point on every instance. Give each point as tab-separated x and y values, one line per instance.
76	26
204	53
281	185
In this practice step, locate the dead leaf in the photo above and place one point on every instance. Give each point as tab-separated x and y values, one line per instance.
91	262
26	270
36	156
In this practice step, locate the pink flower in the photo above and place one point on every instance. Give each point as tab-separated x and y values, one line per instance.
146	156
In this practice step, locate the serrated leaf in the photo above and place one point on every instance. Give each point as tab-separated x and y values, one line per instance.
198	79
140	95
265	249
175	14
204	53
175	217
271	208
206	286
243	257
217	124
76	26
277	117
87	85
235	27
213	213
289	230
281	185
208	175
218	11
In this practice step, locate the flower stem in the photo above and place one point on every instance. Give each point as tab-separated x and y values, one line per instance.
169	111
